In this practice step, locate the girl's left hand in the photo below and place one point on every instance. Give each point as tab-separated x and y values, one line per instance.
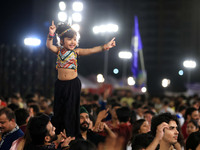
110	44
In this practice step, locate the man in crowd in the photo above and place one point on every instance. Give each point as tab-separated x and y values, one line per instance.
42	135
167	126
8	128
88	134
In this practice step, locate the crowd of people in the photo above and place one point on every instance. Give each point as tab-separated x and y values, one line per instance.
112	120
108	121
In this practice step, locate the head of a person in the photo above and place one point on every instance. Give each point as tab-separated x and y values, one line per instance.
193	141
7	120
191	113
41	130
182	109
192	126
140	126
123	114
84	119
33	110
22	116
68	36
81	144
113	109
138	142
172	132
148	115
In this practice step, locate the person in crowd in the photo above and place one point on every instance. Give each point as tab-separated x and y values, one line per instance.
22	117
68	86
181	113
167	125
193	141
148	115
88	134
139	111
41	135
139	127
191	113
124	128
141	141
165	108
192	126
33	110
114	122
9	129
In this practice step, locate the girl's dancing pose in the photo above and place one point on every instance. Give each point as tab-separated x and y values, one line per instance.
68	85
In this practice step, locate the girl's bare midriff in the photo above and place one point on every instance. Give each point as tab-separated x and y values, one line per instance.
66	74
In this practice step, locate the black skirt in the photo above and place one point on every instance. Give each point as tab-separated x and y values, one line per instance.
66	107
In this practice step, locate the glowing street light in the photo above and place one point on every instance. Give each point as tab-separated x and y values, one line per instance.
62	5
100	78
189	64
76	17
77	6
32	41
101	29
76	27
165	83
62	16
131	81
143	89
105	28
125	55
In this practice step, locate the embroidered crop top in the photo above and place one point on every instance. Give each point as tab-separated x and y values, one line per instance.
67	59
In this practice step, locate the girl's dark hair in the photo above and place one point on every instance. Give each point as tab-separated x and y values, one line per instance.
136	126
61	27
194	122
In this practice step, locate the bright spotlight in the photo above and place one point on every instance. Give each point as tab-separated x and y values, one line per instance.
62	5
125	55
62	16
32	41
165	83
76	27
143	89
76	17
96	29
189	64
115	71
131	81
112	28
100	78
77	6
180	72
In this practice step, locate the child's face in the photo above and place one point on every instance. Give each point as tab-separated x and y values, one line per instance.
191	128
70	43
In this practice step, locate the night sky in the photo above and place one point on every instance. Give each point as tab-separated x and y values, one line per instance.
169	30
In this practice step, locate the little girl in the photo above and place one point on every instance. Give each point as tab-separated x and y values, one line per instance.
68	86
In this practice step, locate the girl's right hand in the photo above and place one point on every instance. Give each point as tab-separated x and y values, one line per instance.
52	28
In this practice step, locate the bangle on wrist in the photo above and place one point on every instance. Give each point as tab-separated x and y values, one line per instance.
50	36
104	47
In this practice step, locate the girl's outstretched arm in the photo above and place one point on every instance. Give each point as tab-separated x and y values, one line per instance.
50	36
96	49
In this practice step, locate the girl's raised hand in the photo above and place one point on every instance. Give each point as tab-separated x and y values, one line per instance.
52	28
110	44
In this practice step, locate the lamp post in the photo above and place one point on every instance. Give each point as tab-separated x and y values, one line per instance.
189	64
71	16
105	29
125	55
